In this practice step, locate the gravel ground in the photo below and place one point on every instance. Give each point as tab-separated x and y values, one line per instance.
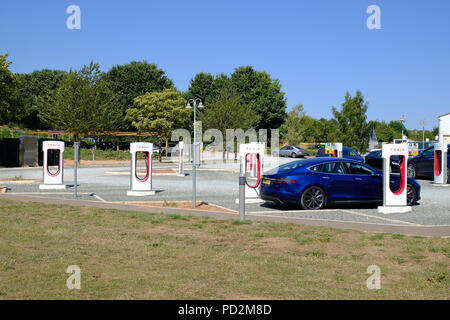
218	185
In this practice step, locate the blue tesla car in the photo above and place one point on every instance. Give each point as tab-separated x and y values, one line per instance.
316	182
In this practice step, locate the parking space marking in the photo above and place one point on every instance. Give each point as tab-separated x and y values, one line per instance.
381	218
326	220
335	210
99	198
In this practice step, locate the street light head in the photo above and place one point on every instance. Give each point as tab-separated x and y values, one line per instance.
188	105
201	105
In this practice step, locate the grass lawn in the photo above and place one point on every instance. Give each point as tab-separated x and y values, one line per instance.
86	154
129	255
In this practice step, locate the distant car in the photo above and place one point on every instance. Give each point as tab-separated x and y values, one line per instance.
375	160
293	152
318	146
347	153
316	182
422	165
172	147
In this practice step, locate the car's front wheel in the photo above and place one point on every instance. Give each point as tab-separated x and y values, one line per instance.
313	198
411	196
411	171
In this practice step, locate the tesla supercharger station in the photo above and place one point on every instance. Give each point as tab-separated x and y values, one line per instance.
53	180
440	164
180	159
334	149
252	158
141	186
395	200
413	149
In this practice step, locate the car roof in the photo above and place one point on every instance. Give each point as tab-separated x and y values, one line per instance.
312	161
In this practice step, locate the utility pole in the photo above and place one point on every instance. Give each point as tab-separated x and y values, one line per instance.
423	123
194	149
402	121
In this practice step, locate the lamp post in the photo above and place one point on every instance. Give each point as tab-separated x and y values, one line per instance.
194	145
402	121
423	123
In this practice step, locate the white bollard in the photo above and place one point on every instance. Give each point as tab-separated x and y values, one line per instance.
335	149
440	168
53	180
141	186
395	201
252	158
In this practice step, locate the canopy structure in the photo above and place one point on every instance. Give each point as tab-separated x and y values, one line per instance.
116	134
98	134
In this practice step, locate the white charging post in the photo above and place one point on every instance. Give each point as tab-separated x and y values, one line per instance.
252	158
395	201
334	149
181	159
53	180
141	186
440	164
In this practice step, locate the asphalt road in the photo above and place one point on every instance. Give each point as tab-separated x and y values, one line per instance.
218	184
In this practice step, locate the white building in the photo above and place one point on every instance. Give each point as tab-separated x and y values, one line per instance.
444	128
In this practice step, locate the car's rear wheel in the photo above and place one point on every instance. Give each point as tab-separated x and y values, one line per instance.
313	198
411	171
293	155
411	196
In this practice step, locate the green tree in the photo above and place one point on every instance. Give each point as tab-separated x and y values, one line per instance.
293	130
8	85
201	86
133	80
33	86
383	131
82	103
351	122
227	110
397	129
161	112
263	94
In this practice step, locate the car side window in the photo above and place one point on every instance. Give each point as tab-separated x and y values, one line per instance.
317	168
330	167
346	153
356	168
429	152
353	153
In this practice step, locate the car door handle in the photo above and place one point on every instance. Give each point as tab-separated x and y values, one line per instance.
358	179
325	177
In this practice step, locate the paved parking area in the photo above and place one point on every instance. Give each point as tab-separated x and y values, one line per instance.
218	185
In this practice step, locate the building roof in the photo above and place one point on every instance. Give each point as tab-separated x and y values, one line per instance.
447	114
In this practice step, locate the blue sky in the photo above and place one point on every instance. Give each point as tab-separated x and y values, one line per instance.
317	49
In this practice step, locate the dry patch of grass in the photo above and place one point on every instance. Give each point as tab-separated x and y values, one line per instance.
130	255
183	205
